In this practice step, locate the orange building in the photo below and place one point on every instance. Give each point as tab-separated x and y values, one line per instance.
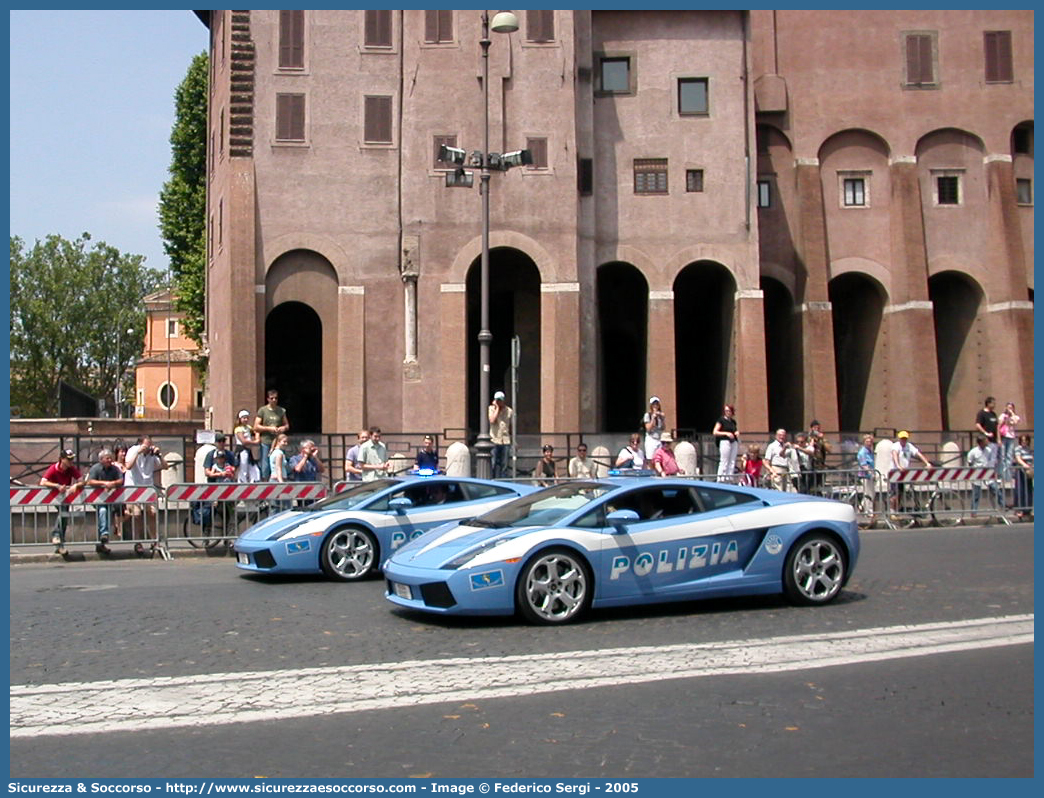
167	385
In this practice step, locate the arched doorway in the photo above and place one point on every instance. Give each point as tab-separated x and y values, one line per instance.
623	319
293	364
704	304
858	308
782	356
955	306
514	309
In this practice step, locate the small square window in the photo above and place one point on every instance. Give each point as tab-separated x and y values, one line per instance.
947	190
1023	191
377	120
172	328
438	27
764	194
997	45
540	25
537	147
920	52
585	176
290	117
440	142
377	28
615	75
853	192
692	96
694	180
650	176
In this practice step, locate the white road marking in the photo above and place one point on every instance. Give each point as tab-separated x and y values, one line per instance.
191	701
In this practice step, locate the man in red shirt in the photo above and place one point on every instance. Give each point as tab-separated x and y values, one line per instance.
63	476
663	460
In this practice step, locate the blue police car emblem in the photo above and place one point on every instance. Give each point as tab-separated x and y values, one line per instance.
297	546
487	579
773	544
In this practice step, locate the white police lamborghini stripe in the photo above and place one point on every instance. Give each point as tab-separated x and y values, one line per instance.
193	701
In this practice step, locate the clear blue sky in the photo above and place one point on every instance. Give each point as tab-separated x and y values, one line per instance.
92	104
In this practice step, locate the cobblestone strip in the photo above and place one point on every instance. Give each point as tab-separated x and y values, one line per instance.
186	701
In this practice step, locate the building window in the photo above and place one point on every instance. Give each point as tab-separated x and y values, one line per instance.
585	176
947	187
537	147
378	29
919	50
291	39
290	117
1022	139
999	67
854	189
694	180
540	26
1023	191
440	142
172	328
615	75
167	395
650	175
199	399
438	27
221	132
692	96
377	124
764	193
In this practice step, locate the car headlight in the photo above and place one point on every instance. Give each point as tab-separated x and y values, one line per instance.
471	554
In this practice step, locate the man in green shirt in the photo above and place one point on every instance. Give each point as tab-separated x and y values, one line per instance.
271	420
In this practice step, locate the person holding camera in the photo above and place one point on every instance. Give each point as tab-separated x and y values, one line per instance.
779	455
654	423
143	461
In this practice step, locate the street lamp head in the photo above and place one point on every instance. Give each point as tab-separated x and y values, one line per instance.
504	22
516	158
451	154
459	178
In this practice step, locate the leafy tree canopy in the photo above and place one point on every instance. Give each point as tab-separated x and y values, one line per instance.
71	307
183	199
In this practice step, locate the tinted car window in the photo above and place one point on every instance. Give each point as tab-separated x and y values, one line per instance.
423	495
652	504
478	491
714	499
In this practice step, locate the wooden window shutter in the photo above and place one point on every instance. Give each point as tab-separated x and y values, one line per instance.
540	25
290	117
998	56
378	120
538	149
291	39
378	29
438	26
919	60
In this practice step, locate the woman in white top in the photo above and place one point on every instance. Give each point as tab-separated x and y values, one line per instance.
654	423
631	456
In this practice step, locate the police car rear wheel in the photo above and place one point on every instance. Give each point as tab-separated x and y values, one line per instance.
554	586
815	569
349	554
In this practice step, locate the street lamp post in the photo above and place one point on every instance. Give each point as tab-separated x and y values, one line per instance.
119	375
503	22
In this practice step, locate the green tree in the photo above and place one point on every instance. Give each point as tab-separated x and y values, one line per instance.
71	308
183	199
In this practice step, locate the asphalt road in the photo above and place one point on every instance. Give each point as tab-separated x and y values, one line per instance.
334	649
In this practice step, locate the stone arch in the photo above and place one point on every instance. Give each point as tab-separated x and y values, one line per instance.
295	281
961	351
858	302
704	343
623	320
323	246
547	267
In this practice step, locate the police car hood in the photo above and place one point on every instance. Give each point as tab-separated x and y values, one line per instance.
452	540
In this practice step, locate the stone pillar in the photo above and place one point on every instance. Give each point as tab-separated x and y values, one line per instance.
559	357
817	323
453	358
351	372
661	358
912	370
751	366
1008	319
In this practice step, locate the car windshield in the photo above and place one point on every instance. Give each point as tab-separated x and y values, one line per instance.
353	497
544	507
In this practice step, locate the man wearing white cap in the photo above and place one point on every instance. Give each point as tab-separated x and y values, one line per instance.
500	433
654	422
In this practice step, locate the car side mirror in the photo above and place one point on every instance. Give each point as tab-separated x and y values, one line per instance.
619	519
400	505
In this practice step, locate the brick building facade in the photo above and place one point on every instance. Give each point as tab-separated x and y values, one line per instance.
802	213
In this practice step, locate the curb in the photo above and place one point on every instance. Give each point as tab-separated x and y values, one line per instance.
77	555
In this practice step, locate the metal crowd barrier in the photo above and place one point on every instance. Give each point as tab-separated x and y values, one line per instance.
35	511
213	514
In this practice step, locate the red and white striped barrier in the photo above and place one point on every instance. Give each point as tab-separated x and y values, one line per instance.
941	474
245	491
38	496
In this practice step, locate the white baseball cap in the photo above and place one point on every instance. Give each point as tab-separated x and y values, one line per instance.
498	395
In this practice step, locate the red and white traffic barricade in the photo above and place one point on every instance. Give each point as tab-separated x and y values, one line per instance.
36	496
941	474
245	491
